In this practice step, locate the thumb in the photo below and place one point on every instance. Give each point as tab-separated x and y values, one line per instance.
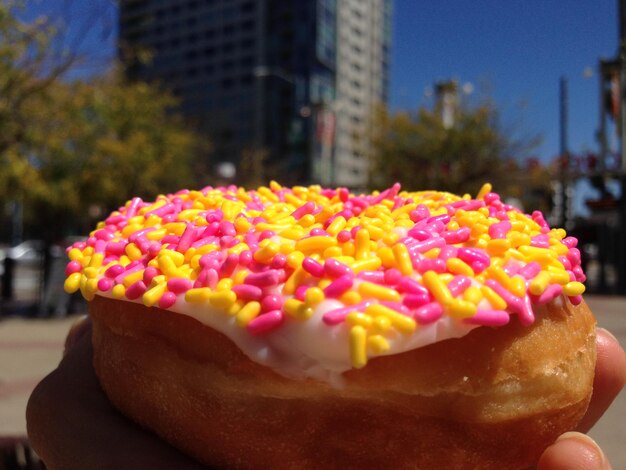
573	451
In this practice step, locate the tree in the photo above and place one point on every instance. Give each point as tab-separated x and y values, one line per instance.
71	149
422	152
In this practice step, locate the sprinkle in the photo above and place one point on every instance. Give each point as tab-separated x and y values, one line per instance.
489	318
265	323
247	313
369	289
428	313
403	323
358	346
437	287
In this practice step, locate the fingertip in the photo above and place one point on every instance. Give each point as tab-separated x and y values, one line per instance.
573	451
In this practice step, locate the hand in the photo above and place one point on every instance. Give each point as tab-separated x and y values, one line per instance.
72	425
68	412
577	451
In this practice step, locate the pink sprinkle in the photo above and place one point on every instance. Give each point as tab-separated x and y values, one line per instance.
537	216
490	198
428	313
271	302
265	234
229	265
437	265
178	285
574	256
247	292
551	293
392	276
266	322
133	206
167	300
458	285
339	286
570	242
268	278
411	286
245	258
105	284
473	255
421	212
210	261
227	228
397	306
129	270
453	237
427	245
565	262
300	292
73	267
186	239
442	218
447	252
303	210
578	272
416	300
338	315
114	271
419	234
335	269
115	248
149	274
215	216
279	261
170	240
314	268
377	277
500	229
576	299
104	234
530	270
210	230
487	317
135	290
344	236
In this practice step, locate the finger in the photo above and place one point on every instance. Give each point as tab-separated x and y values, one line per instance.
573	451
609	379
80	328
71	423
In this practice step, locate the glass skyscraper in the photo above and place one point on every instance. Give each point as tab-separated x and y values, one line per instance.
293	80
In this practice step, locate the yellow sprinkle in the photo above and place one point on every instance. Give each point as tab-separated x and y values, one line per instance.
152	296
306	220
198	295
437	287
337	225
461	308
348	248
294	259
313	296
381	324
573	288
247	313
133	252
458	266
359	318
242	225
351	297
494	299
266	253
292	233
89	288
332	252
236	307
90	273
132	278
378	344
75	254
387	257
361	244
240	276
376	233
500	275
484	190
369	289
391	238
369	264
473	294
498	246
403	259
432	253
401	322
358	346
224	284
294	281
558	276
118	291
168	267
223	299
518	286
72	283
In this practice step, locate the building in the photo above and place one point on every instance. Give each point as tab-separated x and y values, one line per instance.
292	80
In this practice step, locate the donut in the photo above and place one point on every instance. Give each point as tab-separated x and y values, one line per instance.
309	327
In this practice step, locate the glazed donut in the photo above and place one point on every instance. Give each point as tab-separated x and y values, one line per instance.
314	328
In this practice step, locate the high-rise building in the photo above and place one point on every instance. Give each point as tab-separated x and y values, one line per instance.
293	80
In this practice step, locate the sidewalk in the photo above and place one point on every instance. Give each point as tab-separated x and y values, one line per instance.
30	348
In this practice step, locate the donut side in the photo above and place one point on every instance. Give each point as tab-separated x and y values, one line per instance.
492	399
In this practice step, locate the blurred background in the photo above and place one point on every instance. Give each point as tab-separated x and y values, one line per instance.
102	100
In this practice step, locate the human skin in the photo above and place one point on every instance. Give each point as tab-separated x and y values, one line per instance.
71	423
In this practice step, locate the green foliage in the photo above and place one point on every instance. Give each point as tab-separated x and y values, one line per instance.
420	152
70	150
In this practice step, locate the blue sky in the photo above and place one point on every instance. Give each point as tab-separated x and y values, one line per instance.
517	51
513	51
